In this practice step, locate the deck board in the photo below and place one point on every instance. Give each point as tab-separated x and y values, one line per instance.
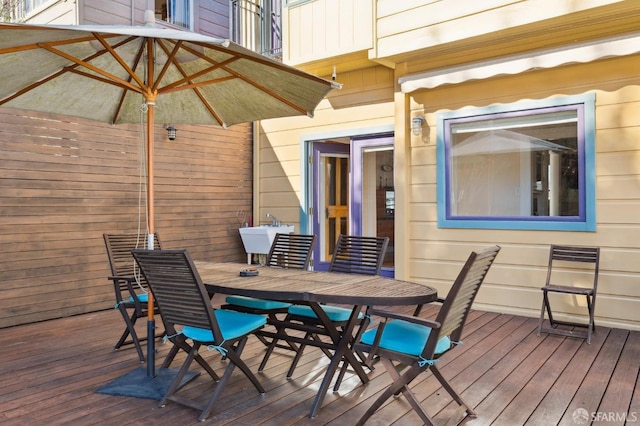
510	375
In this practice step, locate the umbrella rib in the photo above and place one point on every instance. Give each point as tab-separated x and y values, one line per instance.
35	46
99	78
186	78
222	65
269	92
170	59
70	68
262	60
92	68
136	62
179	84
121	61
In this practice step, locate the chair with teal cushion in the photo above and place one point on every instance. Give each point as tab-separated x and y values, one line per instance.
129	285
353	254
291	251
409	345
186	311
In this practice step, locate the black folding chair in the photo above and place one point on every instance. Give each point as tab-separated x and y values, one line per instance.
131	289
572	271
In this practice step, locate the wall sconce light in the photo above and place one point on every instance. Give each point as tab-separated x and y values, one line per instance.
416	125
171	132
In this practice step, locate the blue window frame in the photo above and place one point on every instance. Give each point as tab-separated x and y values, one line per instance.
528	165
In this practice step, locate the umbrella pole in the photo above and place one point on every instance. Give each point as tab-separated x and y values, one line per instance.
151	324
140	383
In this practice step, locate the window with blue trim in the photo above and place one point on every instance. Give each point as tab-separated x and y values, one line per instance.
527	165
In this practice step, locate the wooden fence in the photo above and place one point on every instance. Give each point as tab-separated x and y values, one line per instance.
66	181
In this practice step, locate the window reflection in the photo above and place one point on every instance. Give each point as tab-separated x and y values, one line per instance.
515	166
174	12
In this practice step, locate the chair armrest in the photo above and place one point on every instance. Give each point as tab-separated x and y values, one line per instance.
408	318
129	280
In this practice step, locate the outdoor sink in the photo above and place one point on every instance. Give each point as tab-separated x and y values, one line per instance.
258	239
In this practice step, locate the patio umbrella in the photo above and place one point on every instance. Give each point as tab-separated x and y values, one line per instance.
109	73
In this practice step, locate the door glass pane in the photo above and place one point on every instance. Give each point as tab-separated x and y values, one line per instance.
334	197
378	196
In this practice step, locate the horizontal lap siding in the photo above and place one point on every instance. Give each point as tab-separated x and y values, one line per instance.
64	182
513	285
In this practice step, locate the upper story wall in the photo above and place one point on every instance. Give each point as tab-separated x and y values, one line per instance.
321	29
429	34
55	12
210	17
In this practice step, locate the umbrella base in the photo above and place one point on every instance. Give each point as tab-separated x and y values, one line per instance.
138	384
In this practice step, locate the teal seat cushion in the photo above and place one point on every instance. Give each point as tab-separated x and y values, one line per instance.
144	298
405	337
232	325
253	303
334	313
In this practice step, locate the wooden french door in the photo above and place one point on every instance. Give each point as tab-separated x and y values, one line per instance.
331	164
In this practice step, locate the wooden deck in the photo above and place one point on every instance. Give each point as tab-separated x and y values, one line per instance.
51	370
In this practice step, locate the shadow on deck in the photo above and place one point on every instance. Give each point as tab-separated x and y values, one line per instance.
51	371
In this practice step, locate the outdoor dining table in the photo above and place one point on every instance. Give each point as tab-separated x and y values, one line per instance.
314	288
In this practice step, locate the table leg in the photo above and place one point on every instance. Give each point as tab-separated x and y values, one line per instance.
342	351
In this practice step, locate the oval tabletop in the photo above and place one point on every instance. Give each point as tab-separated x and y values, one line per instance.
322	287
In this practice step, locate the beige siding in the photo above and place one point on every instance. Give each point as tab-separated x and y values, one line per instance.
461	30
513	284
111	12
59	13
279	164
416	36
212	18
323	29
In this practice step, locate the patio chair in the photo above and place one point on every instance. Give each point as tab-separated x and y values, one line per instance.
187	313
408	345
354	255
131	289
291	251
573	271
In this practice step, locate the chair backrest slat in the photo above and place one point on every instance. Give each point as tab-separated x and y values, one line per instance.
567	254
359	255
457	305
575	254
177	289
292	251
119	248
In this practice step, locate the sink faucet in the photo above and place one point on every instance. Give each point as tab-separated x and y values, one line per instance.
274	220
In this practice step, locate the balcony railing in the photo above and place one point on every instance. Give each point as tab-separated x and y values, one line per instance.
256	25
